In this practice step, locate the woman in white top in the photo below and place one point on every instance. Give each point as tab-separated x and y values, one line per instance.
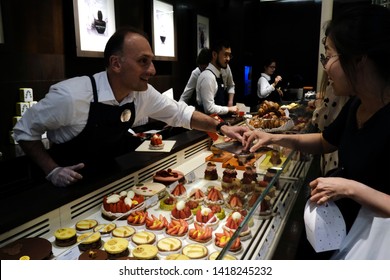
266	90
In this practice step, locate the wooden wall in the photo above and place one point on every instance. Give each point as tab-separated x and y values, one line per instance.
39	47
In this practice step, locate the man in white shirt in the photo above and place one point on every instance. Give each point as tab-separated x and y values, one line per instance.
211	93
87	118
203	59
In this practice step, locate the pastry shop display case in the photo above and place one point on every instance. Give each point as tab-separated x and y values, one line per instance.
230	216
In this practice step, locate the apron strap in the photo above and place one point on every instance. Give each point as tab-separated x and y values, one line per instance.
94	89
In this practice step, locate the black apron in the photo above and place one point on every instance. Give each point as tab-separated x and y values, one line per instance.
104	137
220	98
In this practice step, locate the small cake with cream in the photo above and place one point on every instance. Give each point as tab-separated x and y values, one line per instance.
88	241
211	171
117	248
195	251
181	211
65	237
143	237
145	252
86	225
168	176
105	229
168	245
123	232
156	142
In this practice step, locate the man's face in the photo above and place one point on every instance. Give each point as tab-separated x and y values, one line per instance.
223	58
136	63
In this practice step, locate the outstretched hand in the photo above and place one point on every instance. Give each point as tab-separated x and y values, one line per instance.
65	176
258	138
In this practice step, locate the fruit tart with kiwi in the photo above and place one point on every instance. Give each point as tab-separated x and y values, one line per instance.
118	205
194	206
181	211
218	211
168	203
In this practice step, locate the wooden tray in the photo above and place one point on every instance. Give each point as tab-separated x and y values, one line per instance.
225	156
234	161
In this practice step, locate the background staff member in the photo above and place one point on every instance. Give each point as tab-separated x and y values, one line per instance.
266	90
87	118
211	93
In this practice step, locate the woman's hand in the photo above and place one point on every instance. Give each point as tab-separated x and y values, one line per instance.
324	189
258	138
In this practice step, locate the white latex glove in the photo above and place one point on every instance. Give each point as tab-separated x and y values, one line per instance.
65	176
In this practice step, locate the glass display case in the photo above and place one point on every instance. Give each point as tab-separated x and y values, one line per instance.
261	217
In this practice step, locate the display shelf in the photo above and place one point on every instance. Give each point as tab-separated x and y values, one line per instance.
265	232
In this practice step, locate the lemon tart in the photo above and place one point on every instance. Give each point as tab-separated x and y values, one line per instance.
169	245
145	252
65	237
143	237
117	247
195	251
89	241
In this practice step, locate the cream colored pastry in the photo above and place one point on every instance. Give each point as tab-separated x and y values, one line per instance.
226	257
86	224
195	251
123	231
148	189
143	237
116	245
176	256
169	244
88	238
105	228
145	252
64	233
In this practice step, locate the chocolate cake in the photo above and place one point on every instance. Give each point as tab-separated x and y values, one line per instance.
94	255
33	248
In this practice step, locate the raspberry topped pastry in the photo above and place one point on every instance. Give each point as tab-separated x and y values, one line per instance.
156	142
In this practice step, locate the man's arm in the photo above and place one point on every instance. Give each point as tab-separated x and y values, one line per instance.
37	152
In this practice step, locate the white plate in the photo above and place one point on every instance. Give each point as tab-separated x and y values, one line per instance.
144	147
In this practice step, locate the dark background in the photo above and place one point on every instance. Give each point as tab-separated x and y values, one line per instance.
40	46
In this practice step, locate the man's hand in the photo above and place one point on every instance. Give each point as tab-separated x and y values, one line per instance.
65	176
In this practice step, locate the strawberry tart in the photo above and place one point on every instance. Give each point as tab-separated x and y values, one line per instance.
118	205
181	211
156	142
234	221
206	217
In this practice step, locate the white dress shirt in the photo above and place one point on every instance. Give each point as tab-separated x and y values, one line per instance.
227	78
206	89
63	112
264	88
190	86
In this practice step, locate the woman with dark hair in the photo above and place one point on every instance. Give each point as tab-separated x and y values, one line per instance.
265	89
357	62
